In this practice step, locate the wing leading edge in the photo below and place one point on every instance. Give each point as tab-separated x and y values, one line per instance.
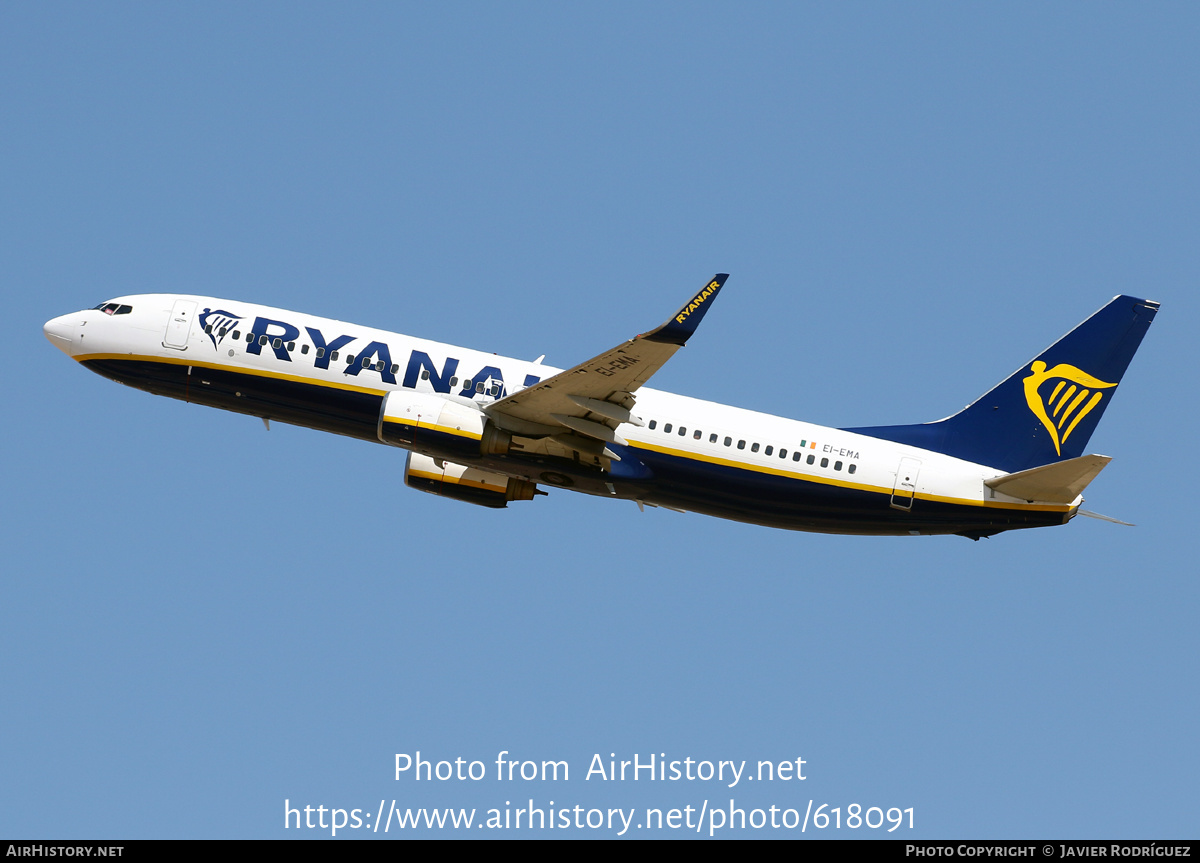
582	406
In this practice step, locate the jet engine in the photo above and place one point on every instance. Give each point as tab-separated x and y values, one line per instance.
428	422
469	484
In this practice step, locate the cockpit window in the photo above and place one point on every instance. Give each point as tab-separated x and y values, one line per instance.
114	308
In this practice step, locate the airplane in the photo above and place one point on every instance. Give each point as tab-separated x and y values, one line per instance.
490	430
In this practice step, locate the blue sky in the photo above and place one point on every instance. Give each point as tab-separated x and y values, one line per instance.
201	619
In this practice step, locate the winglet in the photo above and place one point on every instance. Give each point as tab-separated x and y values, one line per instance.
680	327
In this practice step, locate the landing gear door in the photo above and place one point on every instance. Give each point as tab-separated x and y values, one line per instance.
905	488
179	325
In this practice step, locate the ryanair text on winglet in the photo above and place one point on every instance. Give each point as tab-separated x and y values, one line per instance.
698	300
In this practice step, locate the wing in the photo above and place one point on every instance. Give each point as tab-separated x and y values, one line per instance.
582	406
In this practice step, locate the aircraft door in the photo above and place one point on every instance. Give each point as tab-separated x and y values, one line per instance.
179	325
905	488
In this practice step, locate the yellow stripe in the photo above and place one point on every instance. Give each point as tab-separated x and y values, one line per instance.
179	361
438	477
823	480
261	373
419	426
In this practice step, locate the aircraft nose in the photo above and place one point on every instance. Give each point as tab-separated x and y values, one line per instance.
62	332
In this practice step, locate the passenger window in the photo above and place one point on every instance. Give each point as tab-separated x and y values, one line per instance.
304	349
291	347
479	387
811	459
424	374
728	441
453	382
321	353
797	455
712	438
741	444
366	362
221	332
333	355
653	424
262	340
667	428
236	335
852	468
824	462
754	447
769	450
495	389
395	367
682	431
782	452
278	343
208	328
349	359
837	465
697	434
379	366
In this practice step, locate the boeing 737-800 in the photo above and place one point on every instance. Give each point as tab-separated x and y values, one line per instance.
489	430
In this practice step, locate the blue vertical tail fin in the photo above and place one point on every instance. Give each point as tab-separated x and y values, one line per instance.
1046	410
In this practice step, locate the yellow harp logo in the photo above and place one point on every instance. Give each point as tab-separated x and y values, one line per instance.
1073	397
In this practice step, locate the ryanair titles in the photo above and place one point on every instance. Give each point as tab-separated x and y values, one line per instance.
697	301
280	338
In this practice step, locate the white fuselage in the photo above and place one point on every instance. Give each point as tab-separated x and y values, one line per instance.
701	455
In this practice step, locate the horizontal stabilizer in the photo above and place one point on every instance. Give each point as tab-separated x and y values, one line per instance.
1090	514
1060	482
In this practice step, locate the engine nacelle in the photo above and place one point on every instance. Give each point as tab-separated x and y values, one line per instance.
469	484
428	422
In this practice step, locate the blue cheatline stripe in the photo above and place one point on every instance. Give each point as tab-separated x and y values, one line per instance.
685	480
